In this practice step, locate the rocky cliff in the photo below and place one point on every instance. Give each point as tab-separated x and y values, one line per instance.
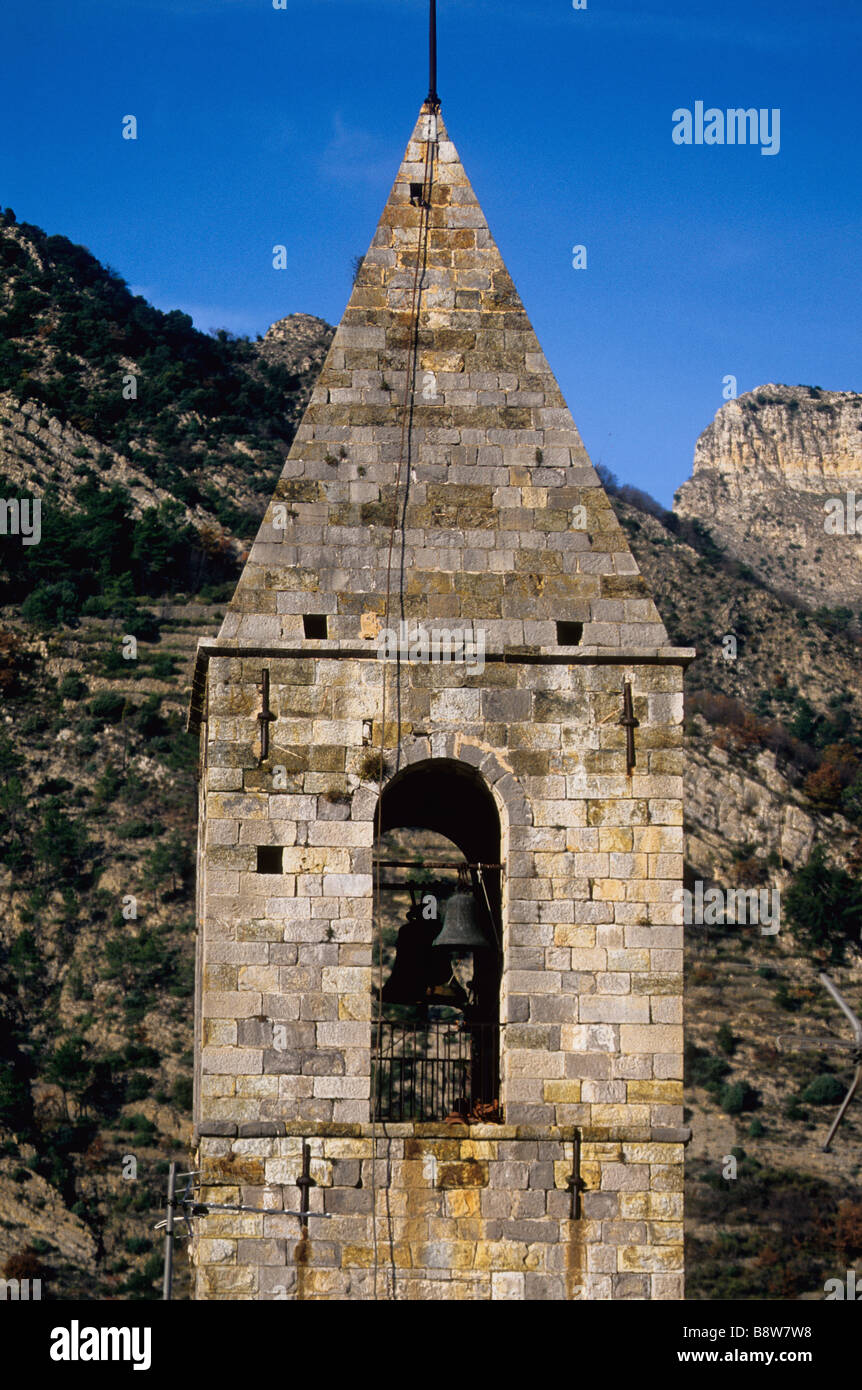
764	471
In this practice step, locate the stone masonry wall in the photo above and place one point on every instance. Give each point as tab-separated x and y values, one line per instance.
592	945
477	1214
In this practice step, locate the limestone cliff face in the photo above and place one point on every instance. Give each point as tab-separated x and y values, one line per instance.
763	471
299	341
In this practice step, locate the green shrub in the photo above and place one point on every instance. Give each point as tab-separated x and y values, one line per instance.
115	666
785	1000
107	786
726	1039
138	1087
138	829
824	1090
50	606
162	666
737	1096
108	707
143	960
24	958
141	1125
703	1070
71	687
144	625
182	1092
182	984
60	844
137	1054
138	1245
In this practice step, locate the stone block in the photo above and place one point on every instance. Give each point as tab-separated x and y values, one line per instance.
260	1252
625	1177
322	1062
509	1287
595	1037
657	1037
547	1008
347	1200
342	1087
649	1258
468	1173
509	1175
631	1286
566	1092
669	1091
545	1288
232	1061
546	1066
541	1175
520	1113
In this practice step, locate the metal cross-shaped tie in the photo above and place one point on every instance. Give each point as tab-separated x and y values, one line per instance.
266	716
575	1182
629	723
304	1182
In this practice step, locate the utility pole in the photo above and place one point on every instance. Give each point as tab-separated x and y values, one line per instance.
168	1280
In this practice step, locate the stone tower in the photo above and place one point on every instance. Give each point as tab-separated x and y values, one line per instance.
440	626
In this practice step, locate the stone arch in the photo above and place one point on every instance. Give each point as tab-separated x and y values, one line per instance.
418	781
512	804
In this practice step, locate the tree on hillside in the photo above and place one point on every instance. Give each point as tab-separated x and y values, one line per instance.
824	905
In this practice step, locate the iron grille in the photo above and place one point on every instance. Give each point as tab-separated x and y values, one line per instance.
426	1071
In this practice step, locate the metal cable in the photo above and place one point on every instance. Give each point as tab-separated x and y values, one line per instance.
406	428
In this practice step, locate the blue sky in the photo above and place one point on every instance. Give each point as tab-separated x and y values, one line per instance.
259	126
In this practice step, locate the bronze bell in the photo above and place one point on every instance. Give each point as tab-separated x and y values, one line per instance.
414	968
461	931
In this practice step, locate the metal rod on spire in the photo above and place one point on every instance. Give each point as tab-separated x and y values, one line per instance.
432	98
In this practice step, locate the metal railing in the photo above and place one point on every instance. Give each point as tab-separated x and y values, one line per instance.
427	1071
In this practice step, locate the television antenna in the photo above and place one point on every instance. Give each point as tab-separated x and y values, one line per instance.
187	1206
793	1042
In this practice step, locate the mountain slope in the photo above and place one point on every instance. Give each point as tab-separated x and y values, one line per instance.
97	787
95	381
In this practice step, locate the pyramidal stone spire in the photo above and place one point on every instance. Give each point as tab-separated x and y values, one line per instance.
500	519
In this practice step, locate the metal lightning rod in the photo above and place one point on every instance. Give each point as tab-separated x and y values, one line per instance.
432	99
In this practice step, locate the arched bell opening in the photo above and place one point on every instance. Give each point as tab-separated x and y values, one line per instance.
438	945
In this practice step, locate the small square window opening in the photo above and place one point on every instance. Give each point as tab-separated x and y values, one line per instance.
269	859
569	634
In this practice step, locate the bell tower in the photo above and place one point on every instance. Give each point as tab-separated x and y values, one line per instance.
440	632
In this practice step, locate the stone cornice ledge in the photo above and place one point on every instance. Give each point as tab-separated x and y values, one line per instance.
309	1129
